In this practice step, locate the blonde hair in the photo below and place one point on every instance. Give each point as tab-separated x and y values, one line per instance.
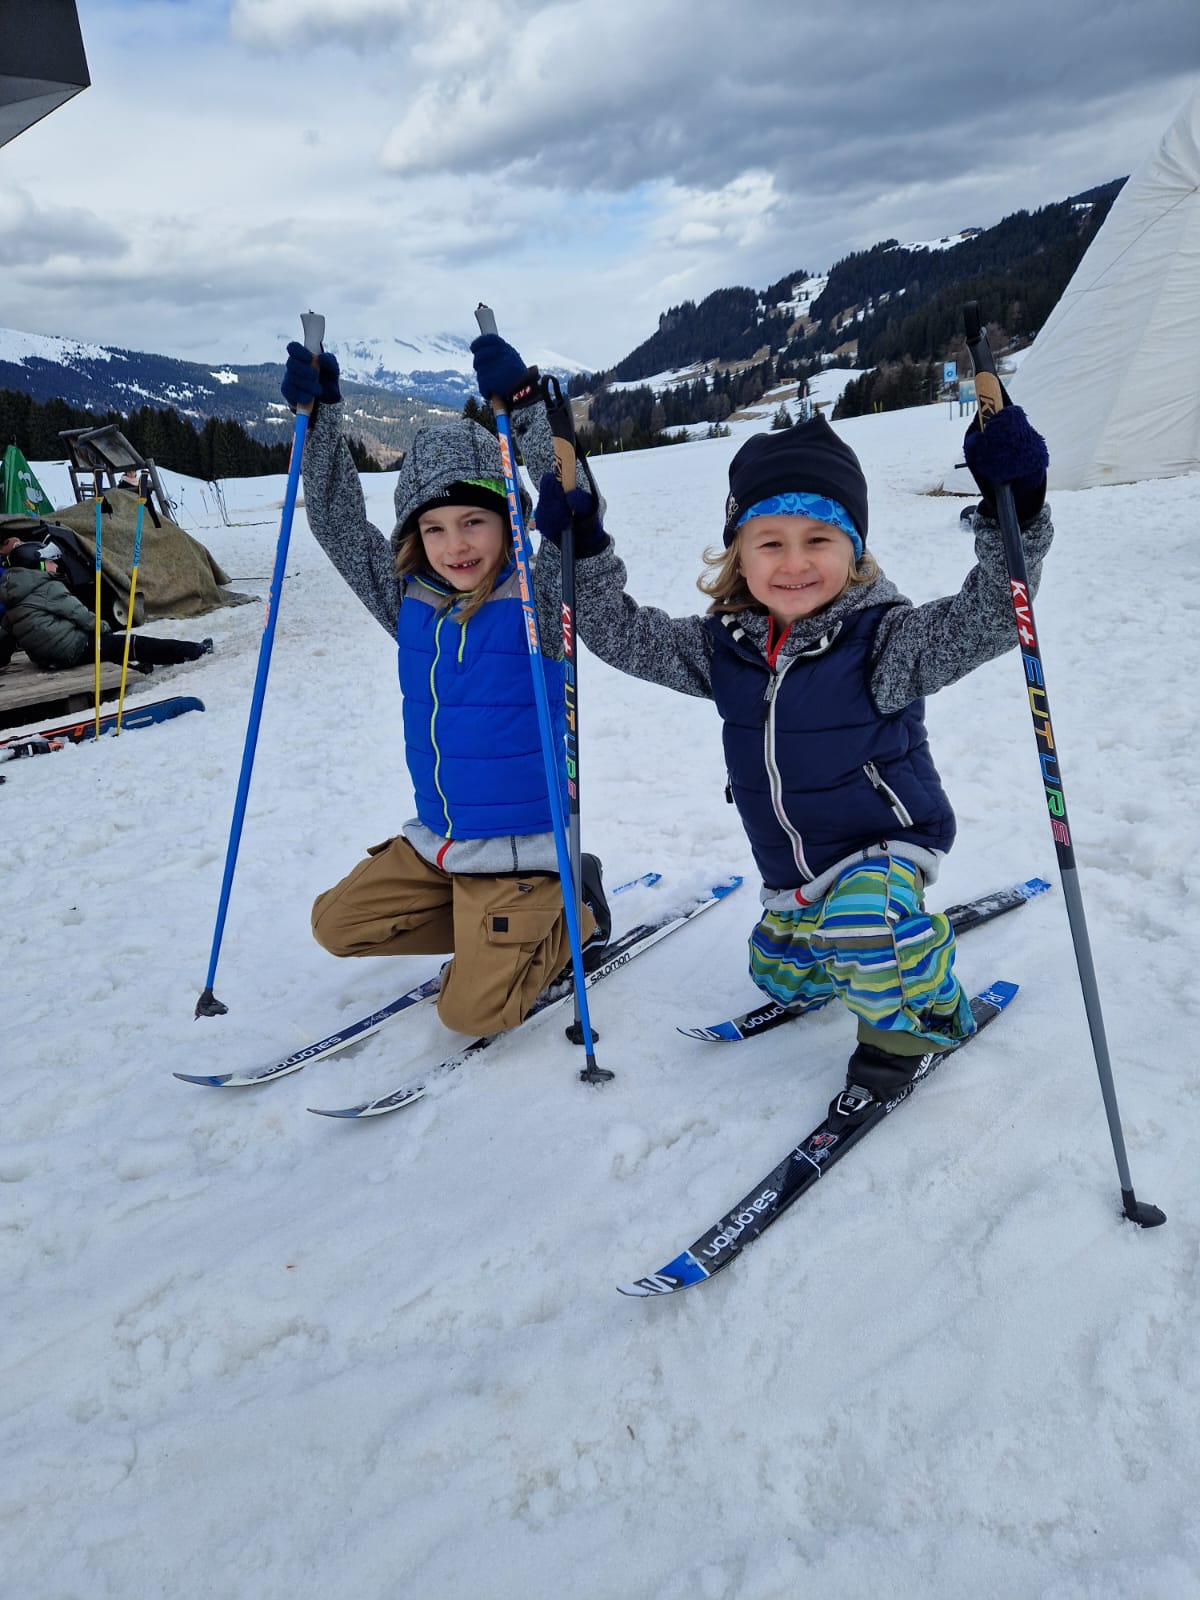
726	586
411	563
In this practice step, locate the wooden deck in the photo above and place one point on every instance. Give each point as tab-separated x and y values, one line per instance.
27	694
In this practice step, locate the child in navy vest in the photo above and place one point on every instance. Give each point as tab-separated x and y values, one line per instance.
474	872
819	668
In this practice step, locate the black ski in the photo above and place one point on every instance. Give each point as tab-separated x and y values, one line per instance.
851	1117
971	914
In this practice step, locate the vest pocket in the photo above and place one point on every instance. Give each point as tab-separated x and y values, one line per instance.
888	794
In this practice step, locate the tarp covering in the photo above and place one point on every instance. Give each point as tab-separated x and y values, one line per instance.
1112	378
177	577
42	62
20	492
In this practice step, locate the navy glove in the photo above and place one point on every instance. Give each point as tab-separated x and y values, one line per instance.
500	372
558	509
303	383
1009	450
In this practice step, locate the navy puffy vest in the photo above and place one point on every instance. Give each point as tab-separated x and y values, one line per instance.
471	733
817	773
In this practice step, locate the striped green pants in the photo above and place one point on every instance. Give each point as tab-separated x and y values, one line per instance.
869	944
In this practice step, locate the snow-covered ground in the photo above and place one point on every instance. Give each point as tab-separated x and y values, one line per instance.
248	1352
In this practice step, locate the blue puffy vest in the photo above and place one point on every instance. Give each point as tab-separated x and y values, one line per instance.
471	734
816	772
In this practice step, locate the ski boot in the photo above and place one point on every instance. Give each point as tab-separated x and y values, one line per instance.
876	1077
592	888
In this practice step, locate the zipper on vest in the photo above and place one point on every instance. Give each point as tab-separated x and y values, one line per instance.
775	777
886	792
433	715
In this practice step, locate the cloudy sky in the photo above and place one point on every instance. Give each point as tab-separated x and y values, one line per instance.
579	166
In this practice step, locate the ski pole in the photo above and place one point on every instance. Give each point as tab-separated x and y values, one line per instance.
989	401
99	515
208	1005
590	1073
133	577
562	429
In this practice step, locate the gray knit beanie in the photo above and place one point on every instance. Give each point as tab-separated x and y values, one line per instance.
454	453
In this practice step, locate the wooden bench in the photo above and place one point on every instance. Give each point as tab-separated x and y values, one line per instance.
27	694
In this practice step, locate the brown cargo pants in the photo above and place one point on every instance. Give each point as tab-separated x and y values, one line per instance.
508	933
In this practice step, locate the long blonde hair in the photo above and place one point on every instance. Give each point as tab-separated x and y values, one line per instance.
411	562
726	586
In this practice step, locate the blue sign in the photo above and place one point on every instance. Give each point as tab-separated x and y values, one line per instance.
949	371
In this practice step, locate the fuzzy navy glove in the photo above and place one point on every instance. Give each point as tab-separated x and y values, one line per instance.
303	383
500	372
559	509
1009	450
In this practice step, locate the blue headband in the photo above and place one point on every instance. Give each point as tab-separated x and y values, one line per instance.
817	506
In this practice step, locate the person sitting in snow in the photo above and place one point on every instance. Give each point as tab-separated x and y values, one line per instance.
475	872
819	668
56	630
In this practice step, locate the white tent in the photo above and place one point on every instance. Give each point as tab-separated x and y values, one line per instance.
1113	378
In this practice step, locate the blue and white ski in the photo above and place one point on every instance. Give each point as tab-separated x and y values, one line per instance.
971	914
851	1117
355	1031
618	953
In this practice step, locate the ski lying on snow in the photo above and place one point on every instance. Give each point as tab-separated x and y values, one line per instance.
47	739
851	1117
617	954
971	914
360	1029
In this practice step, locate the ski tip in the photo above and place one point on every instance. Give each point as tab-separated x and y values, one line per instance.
213	1081
340	1111
678	1274
1032	887
720	890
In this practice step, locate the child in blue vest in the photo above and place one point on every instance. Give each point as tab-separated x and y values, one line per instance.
819	668
475	872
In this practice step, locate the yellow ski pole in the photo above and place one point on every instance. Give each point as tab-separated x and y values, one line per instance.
133	577
99	513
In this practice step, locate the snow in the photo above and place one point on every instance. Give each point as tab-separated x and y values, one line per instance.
20	347
249	1352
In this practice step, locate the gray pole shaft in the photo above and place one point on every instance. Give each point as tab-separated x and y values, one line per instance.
1095	1018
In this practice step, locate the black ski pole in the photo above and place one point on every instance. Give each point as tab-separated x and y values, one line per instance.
990	400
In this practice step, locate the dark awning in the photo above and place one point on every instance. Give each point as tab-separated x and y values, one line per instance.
41	61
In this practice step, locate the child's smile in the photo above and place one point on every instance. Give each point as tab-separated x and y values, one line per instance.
463	544
794	565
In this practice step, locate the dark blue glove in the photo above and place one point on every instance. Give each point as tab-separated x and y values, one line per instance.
1009	450
557	510
500	372
304	384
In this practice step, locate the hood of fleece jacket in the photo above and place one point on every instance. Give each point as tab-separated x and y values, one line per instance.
456	452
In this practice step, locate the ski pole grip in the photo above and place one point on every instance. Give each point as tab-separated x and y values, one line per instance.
486	318
988	397
313	324
314	331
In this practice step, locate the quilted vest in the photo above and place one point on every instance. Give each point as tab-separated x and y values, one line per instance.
471	735
816	772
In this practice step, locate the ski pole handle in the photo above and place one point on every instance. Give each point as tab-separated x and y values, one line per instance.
313	324
988	395
558	407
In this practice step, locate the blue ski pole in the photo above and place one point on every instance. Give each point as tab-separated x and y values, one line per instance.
590	1073
208	1005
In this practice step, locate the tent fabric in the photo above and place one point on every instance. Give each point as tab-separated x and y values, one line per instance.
1111	379
177	576
42	61
20	492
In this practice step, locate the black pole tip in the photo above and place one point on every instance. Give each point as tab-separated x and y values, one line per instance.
594	1074
1141	1212
209	1006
